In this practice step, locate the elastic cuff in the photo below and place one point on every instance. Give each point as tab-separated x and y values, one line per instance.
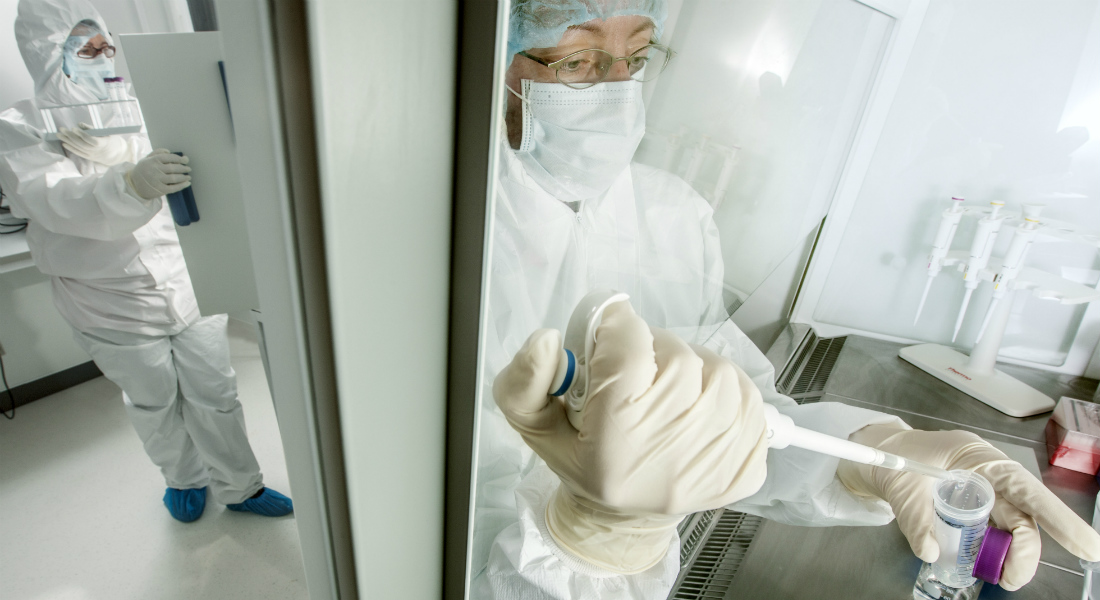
248	494
875	434
193	485
604	525
128	187
571	561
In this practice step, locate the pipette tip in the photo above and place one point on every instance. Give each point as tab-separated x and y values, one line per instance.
904	464
988	317
962	314
923	297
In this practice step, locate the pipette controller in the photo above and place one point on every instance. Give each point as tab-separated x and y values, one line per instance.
782	432
949	223
570	380
1022	238
980	252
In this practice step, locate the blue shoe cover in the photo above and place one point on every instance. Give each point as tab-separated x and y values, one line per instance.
185	505
269	504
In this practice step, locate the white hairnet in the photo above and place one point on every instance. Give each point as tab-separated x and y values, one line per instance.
41	28
541	23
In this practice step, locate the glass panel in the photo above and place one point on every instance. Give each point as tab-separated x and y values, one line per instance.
105	118
754	116
763	140
986	114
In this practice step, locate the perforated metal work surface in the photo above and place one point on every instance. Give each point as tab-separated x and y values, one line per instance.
709	568
805	377
787	377
693	531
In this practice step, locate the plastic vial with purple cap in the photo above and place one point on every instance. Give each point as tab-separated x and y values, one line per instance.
971	552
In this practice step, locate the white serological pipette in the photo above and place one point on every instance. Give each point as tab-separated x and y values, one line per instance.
949	223
1022	238
782	432
980	251
570	383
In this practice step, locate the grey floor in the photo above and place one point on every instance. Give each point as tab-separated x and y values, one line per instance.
81	516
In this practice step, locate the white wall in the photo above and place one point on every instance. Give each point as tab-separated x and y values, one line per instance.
15	82
386	172
1000	100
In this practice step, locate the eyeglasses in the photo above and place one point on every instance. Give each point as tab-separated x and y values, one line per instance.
90	52
586	68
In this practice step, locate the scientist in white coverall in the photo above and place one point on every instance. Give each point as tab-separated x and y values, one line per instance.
101	229
670	428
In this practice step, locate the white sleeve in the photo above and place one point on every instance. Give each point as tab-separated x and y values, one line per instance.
48	188
526	564
137	147
801	487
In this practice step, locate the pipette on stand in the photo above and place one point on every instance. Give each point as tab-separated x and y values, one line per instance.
1022	239
782	432
949	222
980	251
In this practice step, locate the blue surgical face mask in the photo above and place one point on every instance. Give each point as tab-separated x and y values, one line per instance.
88	72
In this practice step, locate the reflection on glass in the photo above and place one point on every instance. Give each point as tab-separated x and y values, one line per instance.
577	207
757	113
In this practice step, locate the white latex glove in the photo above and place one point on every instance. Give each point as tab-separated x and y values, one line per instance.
669	429
158	174
1021	499
107	150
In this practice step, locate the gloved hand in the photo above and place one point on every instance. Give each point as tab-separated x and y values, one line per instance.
106	150
669	429
1021	499
158	174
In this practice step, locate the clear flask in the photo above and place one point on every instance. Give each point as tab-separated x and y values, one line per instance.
962	513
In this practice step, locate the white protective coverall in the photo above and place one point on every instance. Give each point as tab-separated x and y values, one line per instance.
651	236
119	276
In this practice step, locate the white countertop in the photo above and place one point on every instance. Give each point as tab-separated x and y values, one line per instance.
14	253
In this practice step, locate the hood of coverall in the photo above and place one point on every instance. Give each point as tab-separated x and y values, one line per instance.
41	29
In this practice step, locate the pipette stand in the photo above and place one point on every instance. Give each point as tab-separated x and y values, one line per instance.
976	375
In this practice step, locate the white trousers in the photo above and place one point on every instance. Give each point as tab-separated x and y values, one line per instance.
181	396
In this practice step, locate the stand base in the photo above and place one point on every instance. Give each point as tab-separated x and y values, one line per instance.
999	390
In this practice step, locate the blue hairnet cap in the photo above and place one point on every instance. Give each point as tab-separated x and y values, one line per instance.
541	23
